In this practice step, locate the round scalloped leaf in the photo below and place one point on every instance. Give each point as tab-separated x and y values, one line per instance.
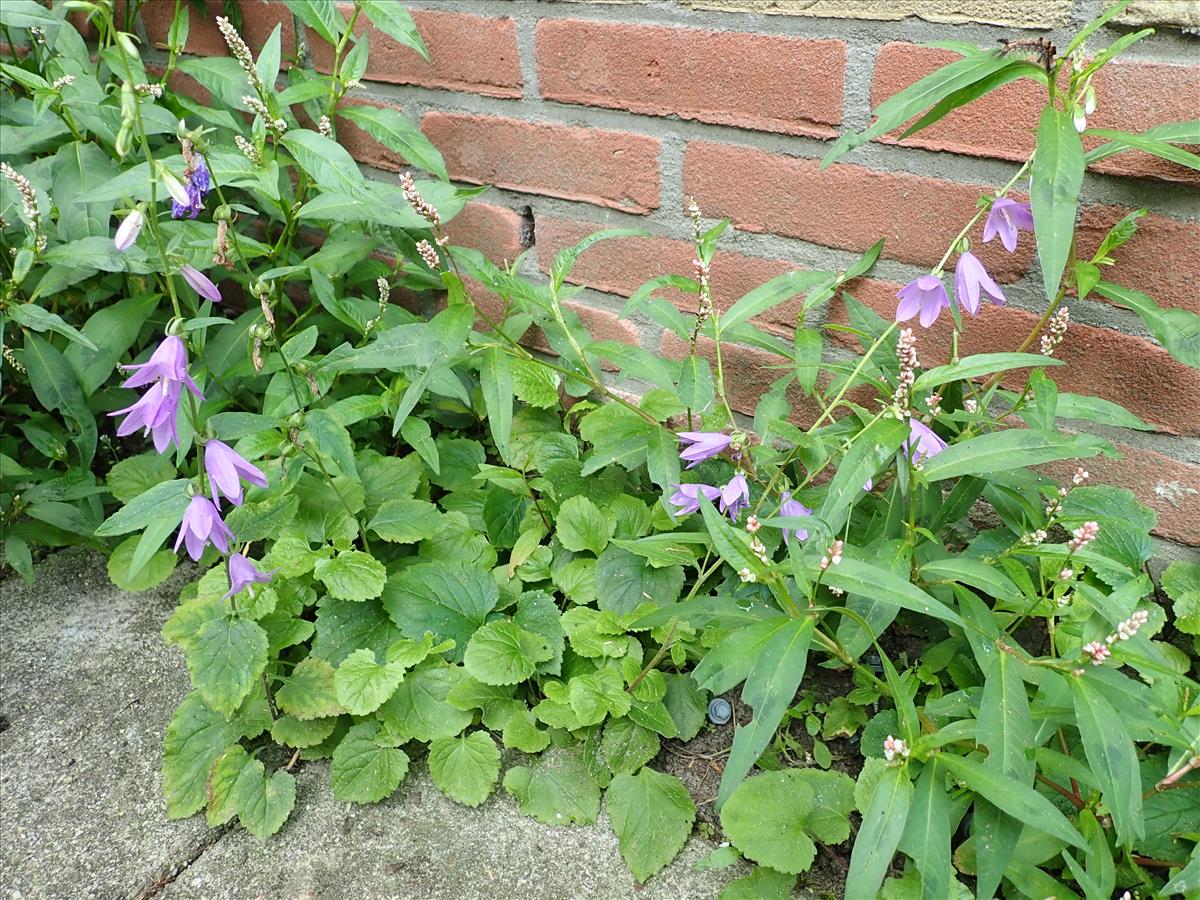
557	790
362	684
765	819
293	732
502	652
309	692
465	768
366	770
652	816
225	660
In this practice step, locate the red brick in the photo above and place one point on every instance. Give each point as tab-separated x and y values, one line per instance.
849	207
1133	372
767	82
470	53
1131	96
608	168
204	38
1162	260
1169	487
622	265
497	232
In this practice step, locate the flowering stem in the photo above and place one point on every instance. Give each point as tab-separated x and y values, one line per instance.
978	213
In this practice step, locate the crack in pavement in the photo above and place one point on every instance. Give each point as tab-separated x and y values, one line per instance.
173	871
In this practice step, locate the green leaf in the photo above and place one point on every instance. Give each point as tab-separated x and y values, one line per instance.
867	579
196	737
393	129
521	733
1056	177
165	500
222	784
979	365
343	627
496	380
652	816
34	317
56	386
1181	582
300	733
926	838
765	819
597	694
362	684
883	824
407	521
915	98
419	708
365	767
451	601
771	294
557	789
1158	148
1000	451
582	526
263	804
687	703
761	884
153	572
326	162
351	575
309	691
267	65
772	683
225	660
1185	132
465	768
1005	722
396	22
1021	802
870	452
502	652
1112	757
625	582
627	746
320	16
696	390
1176	329
565	259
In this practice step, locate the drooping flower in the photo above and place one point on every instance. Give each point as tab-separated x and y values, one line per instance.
200	283
925	295
199	183
226	468
1006	218
202	524
735	496
243	572
922	442
687	496
168	362
793	507
128	230
155	412
970	277
702	445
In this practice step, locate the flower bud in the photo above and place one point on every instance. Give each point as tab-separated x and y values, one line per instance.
175	326
126	42
223	214
1089	100
124	140
296	420
260	331
129	229
174	186
1080	120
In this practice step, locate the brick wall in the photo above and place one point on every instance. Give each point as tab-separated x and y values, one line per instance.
598	114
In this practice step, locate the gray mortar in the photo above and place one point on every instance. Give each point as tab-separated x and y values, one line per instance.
87	687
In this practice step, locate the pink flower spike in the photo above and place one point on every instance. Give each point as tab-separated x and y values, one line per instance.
200	283
226	468
970	277
202	524
925	295
1006	218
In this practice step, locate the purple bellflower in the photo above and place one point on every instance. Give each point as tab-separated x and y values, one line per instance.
921	442
735	496
1006	218
128	230
242	573
200	283
702	445
926	295
199	183
154	412
168	362
687	496
202	524
225	471
970	278
791	507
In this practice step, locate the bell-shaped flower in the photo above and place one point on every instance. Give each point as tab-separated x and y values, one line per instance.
242	573
922	442
735	496
702	445
168	362
687	496
200	283
128	230
226	468
155	412
1006	218
925	295
201	525
970	278
792	507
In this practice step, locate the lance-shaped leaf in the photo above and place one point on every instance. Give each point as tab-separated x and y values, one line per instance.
1054	192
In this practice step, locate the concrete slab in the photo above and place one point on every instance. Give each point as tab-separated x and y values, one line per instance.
87	687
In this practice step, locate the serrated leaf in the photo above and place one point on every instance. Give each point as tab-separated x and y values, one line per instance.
451	601
309	691
264	803
363	684
627	746
419	708
351	575
225	659
196	737
465	768
582	526
557	789
652	816
364	770
407	521
502	652
521	733
765	816
295	732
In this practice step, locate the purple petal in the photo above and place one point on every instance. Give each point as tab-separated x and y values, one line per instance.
200	283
